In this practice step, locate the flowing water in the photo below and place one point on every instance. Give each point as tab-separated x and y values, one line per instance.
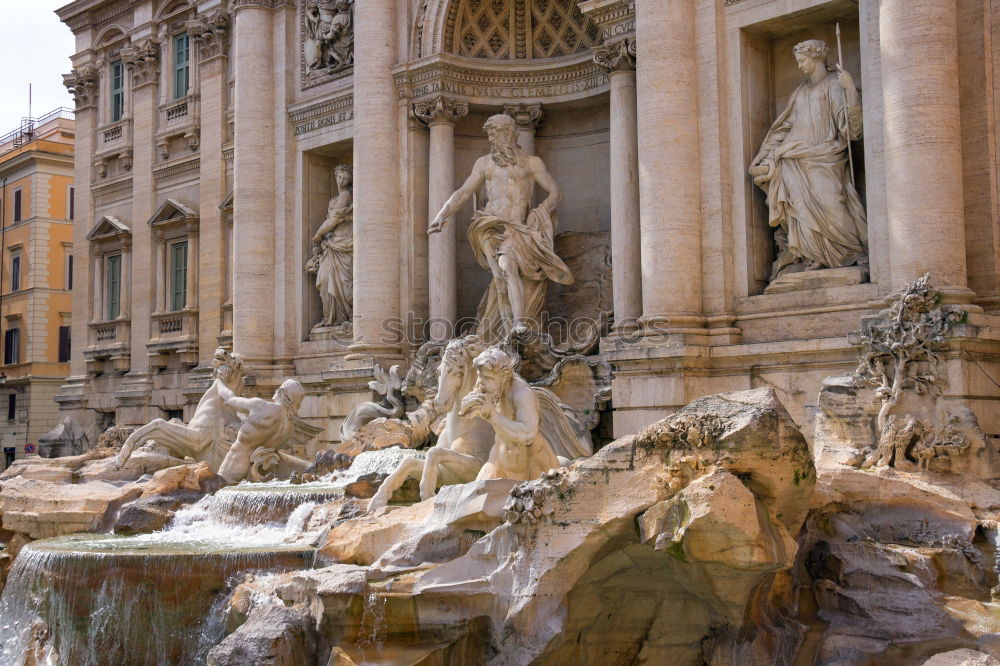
158	599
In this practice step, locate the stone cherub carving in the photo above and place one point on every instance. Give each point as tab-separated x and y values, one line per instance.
332	259
802	166
508	237
267	424
328	35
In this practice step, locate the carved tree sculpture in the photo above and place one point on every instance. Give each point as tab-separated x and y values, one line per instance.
910	333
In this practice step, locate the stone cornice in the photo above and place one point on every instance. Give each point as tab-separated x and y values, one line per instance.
615	18
93	13
479	82
312	116
440	109
259	4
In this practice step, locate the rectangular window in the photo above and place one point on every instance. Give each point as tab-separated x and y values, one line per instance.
117	91
181	68
11	344
71	204
17	205
178	275
64	344
11	406
15	272
69	272
114	286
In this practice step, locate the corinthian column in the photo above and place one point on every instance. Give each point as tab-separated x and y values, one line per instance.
440	115
253	182
619	60
669	187
376	177
529	118
923	154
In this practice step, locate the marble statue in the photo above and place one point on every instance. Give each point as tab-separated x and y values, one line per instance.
508	237
522	416
329	35
333	254
463	446
205	437
267	424
803	167
388	384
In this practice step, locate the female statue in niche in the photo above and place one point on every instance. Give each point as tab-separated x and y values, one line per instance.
803	168
332	258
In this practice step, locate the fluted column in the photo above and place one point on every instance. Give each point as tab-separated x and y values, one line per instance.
923	155
376	177
253	182
440	115
669	186
529	118
626	278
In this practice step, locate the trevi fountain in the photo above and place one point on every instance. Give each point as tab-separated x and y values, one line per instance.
523	332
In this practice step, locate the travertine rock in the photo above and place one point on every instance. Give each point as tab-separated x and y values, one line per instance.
660	548
962	658
271	636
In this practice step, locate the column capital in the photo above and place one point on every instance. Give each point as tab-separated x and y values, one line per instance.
441	109
82	84
258	4
143	61
210	33
527	116
618	56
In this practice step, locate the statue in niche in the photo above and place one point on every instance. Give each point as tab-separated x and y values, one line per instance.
328	35
803	167
508	237
332	258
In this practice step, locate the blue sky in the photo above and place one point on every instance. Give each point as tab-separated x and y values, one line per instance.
34	47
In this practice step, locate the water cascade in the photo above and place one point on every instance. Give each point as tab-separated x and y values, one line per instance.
93	599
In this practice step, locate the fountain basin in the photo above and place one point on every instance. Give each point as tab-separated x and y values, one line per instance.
146	599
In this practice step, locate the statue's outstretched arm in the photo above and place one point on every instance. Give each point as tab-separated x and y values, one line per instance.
233	400
461	195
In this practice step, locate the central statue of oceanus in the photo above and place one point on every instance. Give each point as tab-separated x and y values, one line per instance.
508	237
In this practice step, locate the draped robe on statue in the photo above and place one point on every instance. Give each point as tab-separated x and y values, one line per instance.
530	245
335	275
810	193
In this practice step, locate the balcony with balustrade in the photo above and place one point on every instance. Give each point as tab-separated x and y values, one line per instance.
173	333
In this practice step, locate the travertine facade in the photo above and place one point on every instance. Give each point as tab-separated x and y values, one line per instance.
208	133
38	210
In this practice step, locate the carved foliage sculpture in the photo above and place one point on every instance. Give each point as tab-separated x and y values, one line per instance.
902	347
82	84
327	40
143	61
211	33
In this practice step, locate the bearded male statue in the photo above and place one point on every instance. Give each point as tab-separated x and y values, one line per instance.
508	237
803	167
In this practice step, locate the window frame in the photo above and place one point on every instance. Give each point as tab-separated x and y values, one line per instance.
116	93
12	345
178	274
15	271
113	286
181	46
17	213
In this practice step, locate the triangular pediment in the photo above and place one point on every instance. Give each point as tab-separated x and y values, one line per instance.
170	211
108	227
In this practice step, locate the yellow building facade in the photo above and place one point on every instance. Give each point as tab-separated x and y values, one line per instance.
37	209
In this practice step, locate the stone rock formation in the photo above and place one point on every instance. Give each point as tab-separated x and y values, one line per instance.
659	546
